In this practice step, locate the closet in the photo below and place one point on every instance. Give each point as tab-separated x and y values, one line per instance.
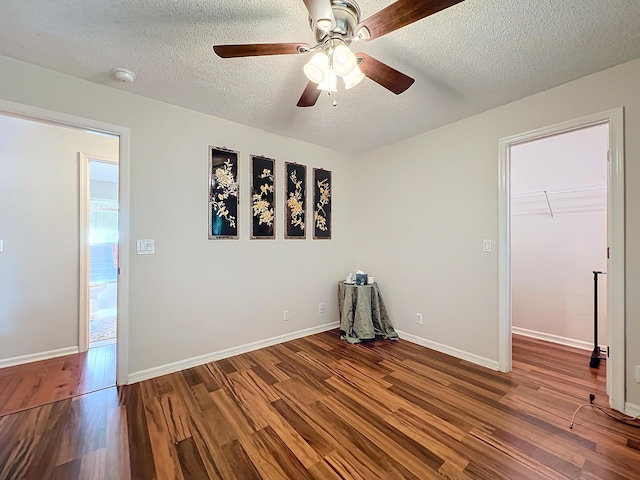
559	236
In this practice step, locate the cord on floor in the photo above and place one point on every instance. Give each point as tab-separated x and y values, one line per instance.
608	412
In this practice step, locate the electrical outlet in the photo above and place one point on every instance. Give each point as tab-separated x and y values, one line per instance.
419	318
286	315
321	308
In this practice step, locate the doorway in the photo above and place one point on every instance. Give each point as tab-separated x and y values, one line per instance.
96	129
615	293
559	237
99	252
103	250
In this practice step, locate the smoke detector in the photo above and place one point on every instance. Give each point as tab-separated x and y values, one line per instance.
124	74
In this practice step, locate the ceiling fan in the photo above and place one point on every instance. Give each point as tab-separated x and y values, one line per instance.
336	24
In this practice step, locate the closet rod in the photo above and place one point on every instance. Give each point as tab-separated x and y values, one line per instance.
554	191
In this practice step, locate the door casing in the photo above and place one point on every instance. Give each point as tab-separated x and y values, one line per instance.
615	241
124	241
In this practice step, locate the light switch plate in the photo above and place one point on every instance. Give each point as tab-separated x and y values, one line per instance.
145	247
1	246
486	246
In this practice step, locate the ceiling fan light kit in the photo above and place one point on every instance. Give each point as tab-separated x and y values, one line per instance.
327	65
336	24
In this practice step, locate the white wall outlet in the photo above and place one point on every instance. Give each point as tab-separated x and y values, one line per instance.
419	318
321	308
637	373
286	316
486	245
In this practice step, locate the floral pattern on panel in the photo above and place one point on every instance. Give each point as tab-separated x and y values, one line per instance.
226	186
262	209
296	203
320	215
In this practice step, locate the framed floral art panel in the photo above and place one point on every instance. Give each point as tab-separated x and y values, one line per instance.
322	192
296	200
224	193
263	213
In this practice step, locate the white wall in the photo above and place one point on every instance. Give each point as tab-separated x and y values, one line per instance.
39	226
553	257
197	296
432	199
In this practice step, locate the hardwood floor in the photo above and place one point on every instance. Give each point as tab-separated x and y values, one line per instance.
319	408
38	383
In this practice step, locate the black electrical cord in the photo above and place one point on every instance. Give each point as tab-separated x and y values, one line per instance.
622	419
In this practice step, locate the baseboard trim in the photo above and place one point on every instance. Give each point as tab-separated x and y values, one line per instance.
229	352
36	357
549	337
631	409
454	352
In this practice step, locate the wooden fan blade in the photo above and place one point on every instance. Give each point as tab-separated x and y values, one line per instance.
402	13
257	49
381	73
310	95
321	10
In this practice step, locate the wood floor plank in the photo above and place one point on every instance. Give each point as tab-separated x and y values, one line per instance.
167	464
283	455
415	457
140	452
354	449
319	408
190	460
35	384
241	465
211	453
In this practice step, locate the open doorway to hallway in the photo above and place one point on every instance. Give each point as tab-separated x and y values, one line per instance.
40	210
103	245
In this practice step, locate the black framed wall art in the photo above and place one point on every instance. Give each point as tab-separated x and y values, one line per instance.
296	200
224	193
322	191
263	187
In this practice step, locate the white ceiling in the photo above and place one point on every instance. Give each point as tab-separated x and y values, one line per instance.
469	58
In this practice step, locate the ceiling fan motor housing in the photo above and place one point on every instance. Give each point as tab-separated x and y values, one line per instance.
347	15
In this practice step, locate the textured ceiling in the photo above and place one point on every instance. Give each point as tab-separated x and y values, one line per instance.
471	57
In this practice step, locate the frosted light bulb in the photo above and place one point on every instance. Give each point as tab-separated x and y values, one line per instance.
344	60
317	68
353	78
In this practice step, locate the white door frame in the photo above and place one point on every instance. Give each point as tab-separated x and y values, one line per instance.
84	170
615	240
124	241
